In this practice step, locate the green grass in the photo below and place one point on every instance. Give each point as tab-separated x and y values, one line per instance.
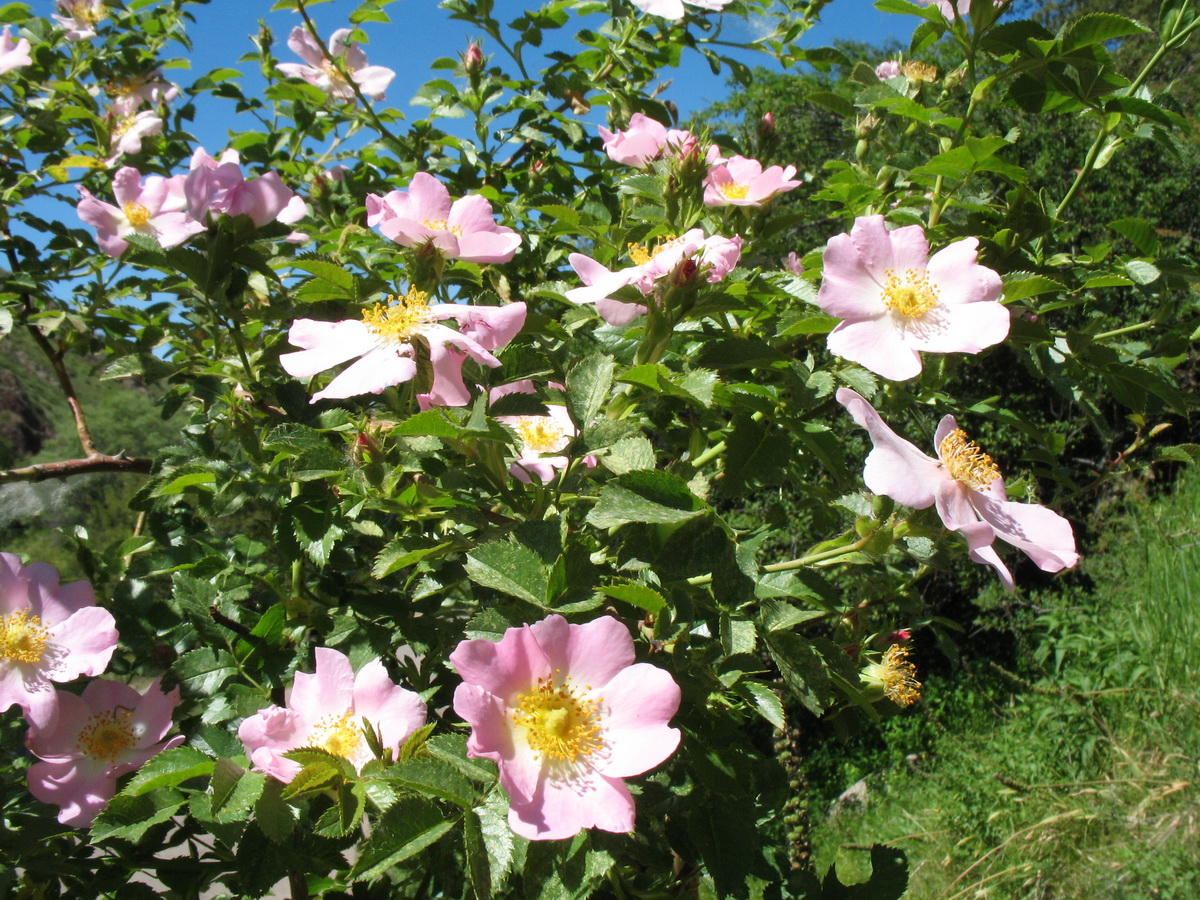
1081	780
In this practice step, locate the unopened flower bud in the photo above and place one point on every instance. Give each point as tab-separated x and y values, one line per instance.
766	125
686	272
473	59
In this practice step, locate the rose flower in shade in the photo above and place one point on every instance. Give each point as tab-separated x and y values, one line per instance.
13	54
321	72
153	207
217	187
48	632
966	487
543	438
566	714
385	339
739	181
895	300
464	229
107	732
326	710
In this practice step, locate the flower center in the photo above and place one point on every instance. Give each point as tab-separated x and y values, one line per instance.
107	735
342	736
966	462
442	225
400	318
22	637
734	191
898	676
915	70
910	293
136	214
331	71
560	724
542	434
643	253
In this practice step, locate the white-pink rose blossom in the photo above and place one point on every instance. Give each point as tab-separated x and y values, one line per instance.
966	487
321	72
153	206
674	9
13	53
895	300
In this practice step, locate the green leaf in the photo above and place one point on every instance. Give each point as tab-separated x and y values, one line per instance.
130	817
511	568
274	817
588	384
346	812
802	668
645	496
169	768
405	830
479	869
764	700
452	748
400	554
234	790
628	455
433	778
314	777
1140	232
636	595
889	878
1019	285
203	671
723	831
1097	28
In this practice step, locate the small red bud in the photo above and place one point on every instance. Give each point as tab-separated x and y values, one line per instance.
766	125
473	60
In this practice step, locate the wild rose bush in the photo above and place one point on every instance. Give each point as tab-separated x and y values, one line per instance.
438	591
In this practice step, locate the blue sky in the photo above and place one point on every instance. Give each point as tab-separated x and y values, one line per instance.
420	32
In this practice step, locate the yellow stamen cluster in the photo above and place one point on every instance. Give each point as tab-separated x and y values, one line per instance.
22	637
643	253
542	434
734	191
89	14
910	293
400	318
342	736
966	462
898	675
560	723
136	214
442	225
331	71
107	735
915	70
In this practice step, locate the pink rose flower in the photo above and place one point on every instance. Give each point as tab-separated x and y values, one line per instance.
128	132
384	340
128	96
739	181
218	186
48	633
13	54
155	207
710	257
889	68
567	715
464	229
673	9
326	709
81	18
540	436
107	732
645	140
793	263
966	487
371	80
947	7
895	300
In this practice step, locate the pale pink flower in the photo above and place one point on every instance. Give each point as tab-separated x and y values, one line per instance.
793	263
321	72
128	96
464	229
739	181
895	300
947	7
966	487
889	68
674	9
218	186
107	732
13	54
48	633
128	132
645	140
326	710
80	18
385	339
543	438
681	259
567	715
155	207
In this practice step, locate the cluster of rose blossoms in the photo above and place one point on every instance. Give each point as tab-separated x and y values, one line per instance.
53	633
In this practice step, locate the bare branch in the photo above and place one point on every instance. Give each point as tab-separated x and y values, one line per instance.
68	467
